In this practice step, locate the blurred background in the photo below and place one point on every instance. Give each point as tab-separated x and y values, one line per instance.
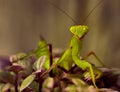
22	22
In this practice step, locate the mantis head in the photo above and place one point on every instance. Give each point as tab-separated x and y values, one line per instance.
79	31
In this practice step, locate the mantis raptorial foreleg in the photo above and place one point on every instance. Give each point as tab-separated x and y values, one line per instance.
83	64
86	65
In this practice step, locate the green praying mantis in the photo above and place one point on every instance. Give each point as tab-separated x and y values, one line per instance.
72	54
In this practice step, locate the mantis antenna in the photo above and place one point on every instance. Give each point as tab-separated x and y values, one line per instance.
63	11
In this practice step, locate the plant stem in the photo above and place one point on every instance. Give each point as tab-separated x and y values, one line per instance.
40	81
16	83
51	57
8	90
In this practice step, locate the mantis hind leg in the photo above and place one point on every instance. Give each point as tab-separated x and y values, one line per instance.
98	59
97	72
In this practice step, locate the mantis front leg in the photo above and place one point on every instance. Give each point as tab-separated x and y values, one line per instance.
85	65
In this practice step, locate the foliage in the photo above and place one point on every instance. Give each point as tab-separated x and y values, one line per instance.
41	71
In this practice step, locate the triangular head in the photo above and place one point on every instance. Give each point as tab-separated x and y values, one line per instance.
79	31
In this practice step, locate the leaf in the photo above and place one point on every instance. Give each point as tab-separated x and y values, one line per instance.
81	86
15	58
48	83
79	82
47	63
6	77
16	68
5	87
27	81
39	63
34	86
70	88
42	49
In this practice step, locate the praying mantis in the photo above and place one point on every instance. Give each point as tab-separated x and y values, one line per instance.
72	54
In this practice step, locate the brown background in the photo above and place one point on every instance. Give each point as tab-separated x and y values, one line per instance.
23	21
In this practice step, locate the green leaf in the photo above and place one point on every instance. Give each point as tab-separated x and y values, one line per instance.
27	81
43	51
42	62
42	43
39	63
35	86
47	63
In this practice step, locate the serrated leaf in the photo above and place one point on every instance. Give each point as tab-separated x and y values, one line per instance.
27	81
